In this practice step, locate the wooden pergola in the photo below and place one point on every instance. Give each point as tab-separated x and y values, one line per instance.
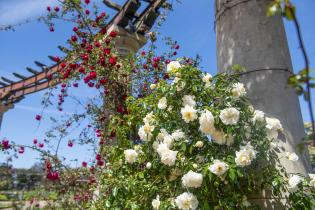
127	17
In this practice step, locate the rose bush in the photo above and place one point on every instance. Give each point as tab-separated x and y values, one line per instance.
195	142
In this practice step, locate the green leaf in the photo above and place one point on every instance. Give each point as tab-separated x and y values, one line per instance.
289	12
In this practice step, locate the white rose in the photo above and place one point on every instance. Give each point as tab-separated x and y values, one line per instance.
206	121
189	114
152	86
176	79
199	144
173	66
148	165
238	90
243	158
144	132
294	180
273	124
131	155
162	103
250	149
168	157
207	78
178	134
149	118
292	156
156	202
162	134
230	116
187	201
221	138
218	167
192	179
189	100
272	134
259	116
168	140
312	182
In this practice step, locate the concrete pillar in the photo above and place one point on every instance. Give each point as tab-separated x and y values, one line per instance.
246	36
127	42
3	109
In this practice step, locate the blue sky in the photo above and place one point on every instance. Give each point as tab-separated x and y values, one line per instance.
191	24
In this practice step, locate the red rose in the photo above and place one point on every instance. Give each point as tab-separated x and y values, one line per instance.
113	60
74	38
38	117
93	75
5	144
113	34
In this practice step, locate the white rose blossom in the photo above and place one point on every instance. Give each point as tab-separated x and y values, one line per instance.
206	121
173	66
131	155
156	203
149	118
221	138
259	116
144	132
238	90
168	140
250	149
199	144
292	156
207	79
218	167
192	179
245	155
148	165
293	182
152	86
187	201
178	134
273	126
230	116
189	100
189	114
312	181
162	104
161	135
168	157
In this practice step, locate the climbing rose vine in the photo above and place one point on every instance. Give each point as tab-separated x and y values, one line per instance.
195	142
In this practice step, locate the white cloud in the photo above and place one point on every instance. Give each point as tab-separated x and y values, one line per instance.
39	109
16	11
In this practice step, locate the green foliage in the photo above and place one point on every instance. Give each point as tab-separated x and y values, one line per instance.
126	185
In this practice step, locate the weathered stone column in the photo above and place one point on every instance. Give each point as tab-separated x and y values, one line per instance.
246	36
